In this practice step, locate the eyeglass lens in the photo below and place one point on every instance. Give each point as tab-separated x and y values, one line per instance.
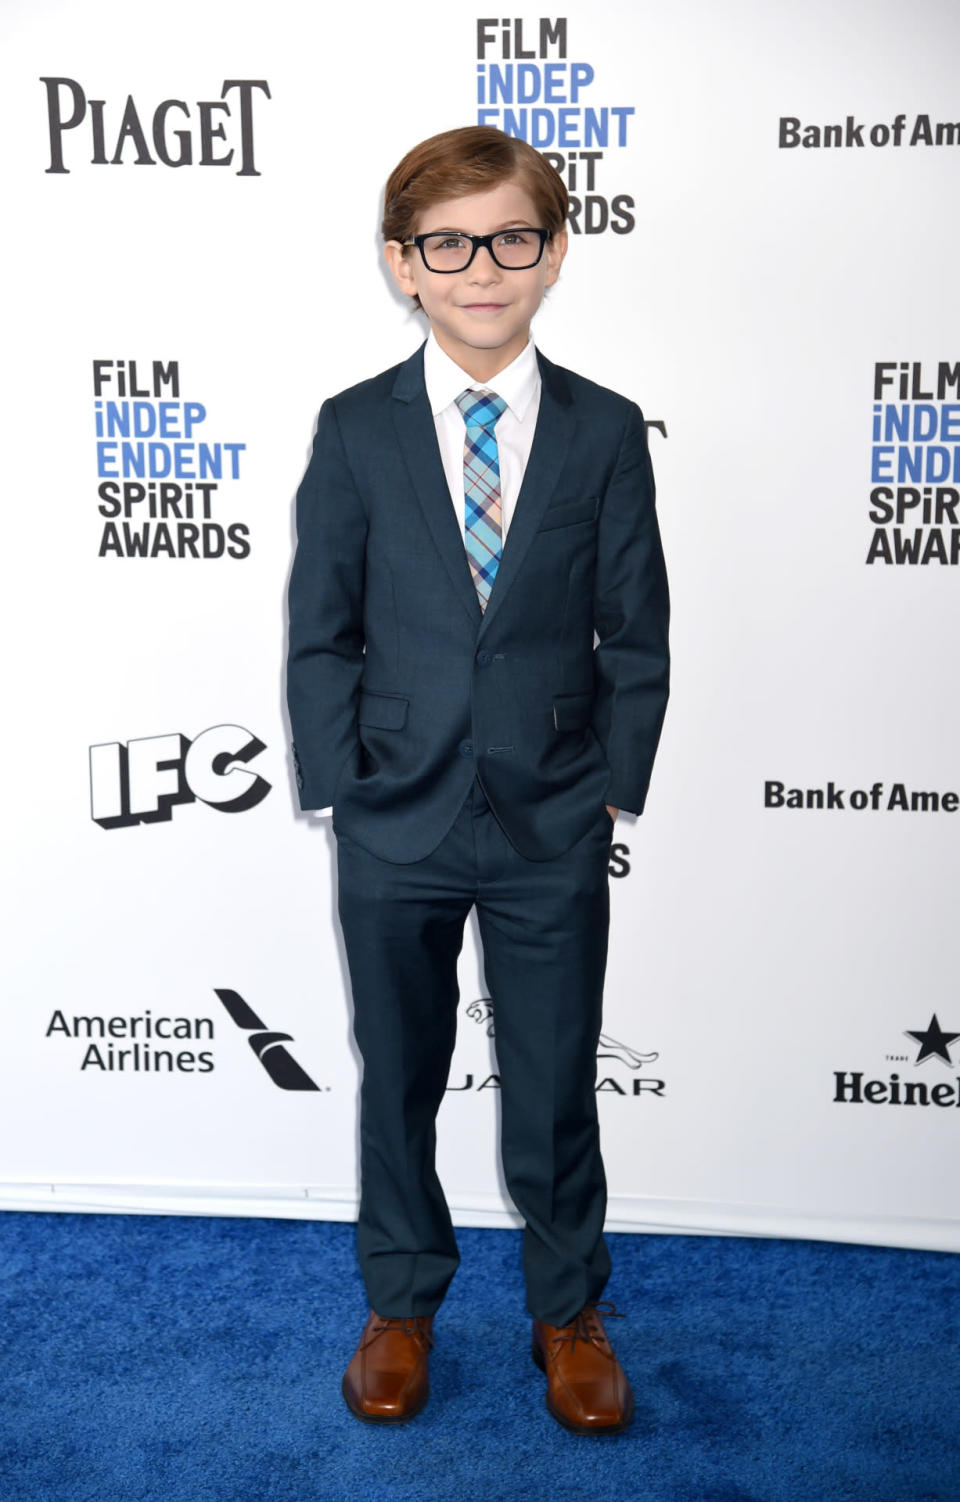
512	248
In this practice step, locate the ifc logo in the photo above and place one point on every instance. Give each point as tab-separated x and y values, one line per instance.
138	782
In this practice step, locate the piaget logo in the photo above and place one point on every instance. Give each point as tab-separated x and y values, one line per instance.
208	133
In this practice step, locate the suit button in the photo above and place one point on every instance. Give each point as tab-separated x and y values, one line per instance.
484	659
466	748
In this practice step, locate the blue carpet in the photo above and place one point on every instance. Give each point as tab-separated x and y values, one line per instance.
189	1359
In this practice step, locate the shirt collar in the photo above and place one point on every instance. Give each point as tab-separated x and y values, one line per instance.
517	383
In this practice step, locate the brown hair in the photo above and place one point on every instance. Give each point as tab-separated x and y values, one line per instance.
472	159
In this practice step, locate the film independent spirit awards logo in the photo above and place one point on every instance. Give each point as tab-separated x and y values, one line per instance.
168	479
931	1050
611	1056
527	87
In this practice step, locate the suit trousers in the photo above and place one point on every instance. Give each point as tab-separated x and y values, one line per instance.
543	927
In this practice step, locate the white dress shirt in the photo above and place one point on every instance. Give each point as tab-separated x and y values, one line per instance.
518	384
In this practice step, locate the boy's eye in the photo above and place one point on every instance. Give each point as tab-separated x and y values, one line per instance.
449	242
513	237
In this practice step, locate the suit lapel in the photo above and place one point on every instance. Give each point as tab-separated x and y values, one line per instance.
556	420
417	436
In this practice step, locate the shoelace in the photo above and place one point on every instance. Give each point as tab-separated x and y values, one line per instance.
415	1326
587	1327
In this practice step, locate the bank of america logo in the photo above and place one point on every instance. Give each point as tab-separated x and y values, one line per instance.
278	1061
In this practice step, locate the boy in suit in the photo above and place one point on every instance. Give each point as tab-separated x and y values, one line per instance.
471	523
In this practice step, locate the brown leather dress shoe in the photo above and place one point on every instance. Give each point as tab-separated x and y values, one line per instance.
387	1380
587	1391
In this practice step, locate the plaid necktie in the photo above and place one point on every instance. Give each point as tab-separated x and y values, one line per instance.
483	525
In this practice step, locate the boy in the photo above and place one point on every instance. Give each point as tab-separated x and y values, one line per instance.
468	522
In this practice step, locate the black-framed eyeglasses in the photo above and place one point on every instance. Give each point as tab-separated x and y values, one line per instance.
512	249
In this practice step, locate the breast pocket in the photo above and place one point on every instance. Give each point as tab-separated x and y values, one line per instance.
570	514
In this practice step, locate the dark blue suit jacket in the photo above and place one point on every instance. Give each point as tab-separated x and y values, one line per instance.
401	690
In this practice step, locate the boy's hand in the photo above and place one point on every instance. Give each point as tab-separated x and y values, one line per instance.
613	813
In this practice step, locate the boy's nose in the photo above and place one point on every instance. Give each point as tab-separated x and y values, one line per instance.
484	268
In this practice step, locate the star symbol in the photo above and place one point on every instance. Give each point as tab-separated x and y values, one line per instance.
934	1042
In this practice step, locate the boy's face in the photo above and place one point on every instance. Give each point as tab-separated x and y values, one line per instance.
480	316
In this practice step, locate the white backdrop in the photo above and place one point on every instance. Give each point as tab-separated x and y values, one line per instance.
769	965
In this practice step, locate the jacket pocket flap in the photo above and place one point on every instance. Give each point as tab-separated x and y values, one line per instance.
572	711
567	513
383	711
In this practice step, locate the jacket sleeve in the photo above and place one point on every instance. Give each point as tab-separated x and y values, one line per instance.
325	652
631	617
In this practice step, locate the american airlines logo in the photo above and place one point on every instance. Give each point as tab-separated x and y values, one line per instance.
267	1046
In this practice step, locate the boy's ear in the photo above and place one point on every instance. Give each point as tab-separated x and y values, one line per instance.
400	267
555	252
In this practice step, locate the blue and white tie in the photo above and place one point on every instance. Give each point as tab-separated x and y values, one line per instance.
483	521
